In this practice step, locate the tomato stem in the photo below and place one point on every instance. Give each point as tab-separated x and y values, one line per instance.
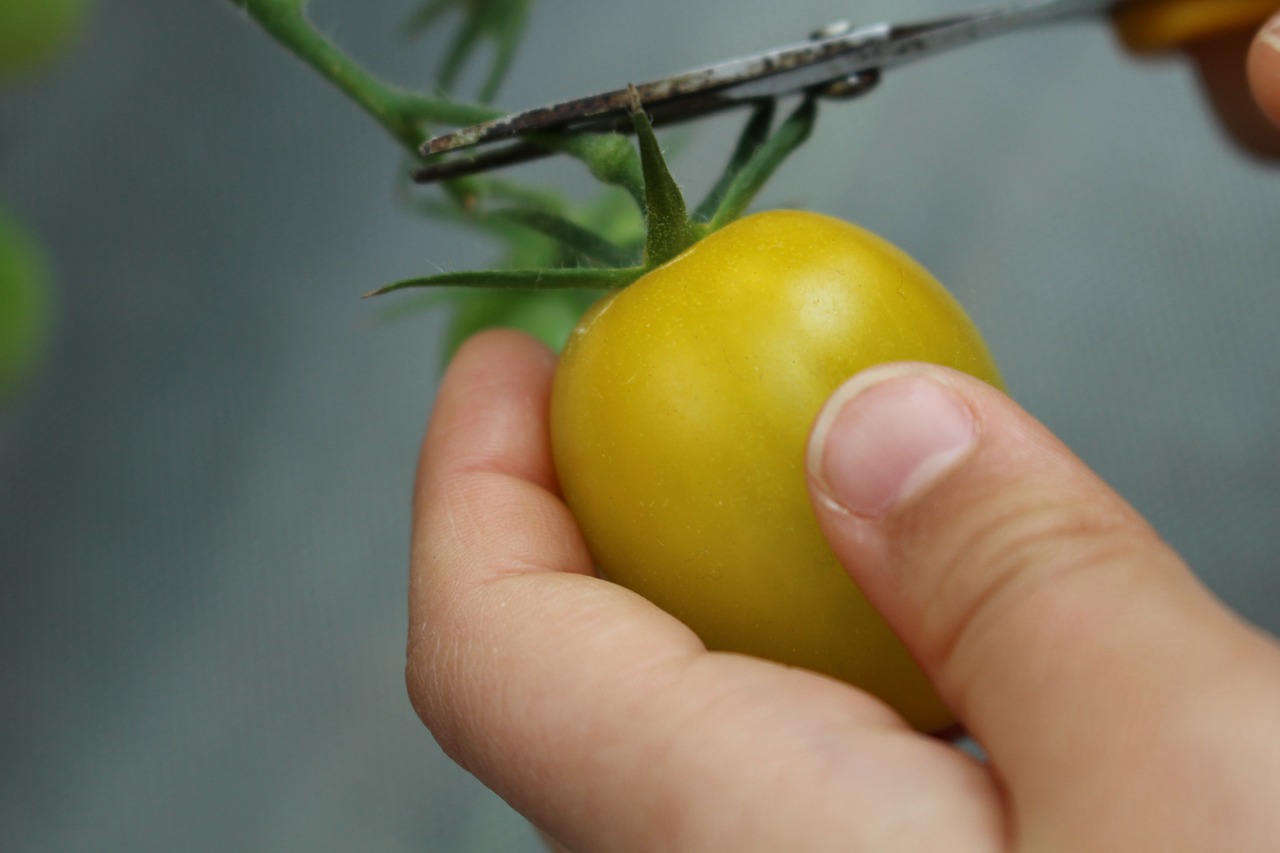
405	115
408	116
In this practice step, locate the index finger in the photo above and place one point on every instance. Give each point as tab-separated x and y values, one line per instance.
512	639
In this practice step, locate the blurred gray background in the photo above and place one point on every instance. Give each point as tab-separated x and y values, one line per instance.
204	501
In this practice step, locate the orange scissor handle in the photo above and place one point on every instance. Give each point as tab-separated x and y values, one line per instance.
1151	26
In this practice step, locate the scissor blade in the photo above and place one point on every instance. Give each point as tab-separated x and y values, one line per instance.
747	78
786	70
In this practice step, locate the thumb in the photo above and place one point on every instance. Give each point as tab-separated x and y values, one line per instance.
1050	617
1264	69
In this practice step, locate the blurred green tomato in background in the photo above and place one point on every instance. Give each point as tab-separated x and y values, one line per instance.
24	302
33	33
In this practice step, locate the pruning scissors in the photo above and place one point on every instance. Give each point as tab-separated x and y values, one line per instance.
839	61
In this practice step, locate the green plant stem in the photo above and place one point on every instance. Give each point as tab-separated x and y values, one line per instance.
405	115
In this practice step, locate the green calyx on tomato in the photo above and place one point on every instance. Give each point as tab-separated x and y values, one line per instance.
561	255
679	419
603	263
556	259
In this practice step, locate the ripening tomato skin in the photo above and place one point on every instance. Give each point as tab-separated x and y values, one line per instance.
679	418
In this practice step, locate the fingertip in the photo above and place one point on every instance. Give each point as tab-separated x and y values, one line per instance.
886	435
503	349
491	407
1264	69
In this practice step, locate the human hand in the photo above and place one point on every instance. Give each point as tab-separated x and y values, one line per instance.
1122	708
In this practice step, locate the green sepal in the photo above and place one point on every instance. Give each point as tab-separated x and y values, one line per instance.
575	244
473	188
586	245
568	278
754	134
669	230
759	167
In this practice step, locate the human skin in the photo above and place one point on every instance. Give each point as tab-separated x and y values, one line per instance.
1237	90
1120	705
1263	68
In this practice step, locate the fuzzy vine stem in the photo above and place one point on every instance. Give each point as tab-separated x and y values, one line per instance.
405	115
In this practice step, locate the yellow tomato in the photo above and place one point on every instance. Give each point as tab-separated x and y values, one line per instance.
680	413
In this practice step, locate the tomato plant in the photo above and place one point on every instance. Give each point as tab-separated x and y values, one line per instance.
683	401
680	415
